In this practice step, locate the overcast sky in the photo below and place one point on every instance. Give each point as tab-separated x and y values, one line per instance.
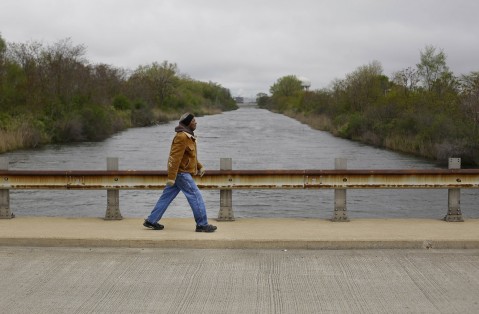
246	45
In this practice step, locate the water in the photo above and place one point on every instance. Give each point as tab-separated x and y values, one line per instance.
255	139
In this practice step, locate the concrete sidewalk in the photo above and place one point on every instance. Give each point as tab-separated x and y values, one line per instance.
258	233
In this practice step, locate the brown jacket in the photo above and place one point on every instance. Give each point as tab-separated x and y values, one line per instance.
183	156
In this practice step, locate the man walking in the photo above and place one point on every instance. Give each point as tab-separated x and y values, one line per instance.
182	164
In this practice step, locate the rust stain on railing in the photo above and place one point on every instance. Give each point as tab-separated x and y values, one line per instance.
244	179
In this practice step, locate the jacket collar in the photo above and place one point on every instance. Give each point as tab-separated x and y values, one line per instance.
182	128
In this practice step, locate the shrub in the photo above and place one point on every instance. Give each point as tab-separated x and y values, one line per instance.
121	102
96	123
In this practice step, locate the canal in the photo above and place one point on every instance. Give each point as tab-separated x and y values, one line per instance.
255	139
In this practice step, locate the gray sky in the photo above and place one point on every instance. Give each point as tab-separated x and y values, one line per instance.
246	45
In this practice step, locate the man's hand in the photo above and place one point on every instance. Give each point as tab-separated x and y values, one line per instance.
170	182
201	172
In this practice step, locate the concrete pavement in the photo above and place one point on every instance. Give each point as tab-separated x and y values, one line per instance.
158	280
88	265
264	233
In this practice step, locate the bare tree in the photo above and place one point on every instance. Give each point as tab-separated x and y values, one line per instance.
407	78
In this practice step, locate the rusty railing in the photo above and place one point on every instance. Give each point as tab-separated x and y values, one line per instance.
340	179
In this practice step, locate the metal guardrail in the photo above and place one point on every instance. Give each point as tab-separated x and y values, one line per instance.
243	179
227	180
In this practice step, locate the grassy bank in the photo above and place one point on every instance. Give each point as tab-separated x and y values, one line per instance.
398	143
52	94
31	134
429	113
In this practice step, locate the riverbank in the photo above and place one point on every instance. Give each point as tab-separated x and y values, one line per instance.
59	97
29	134
435	121
438	153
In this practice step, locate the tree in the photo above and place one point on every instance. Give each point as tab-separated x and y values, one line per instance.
3	49
105	82
470	96
262	100
155	82
408	79
25	57
365	85
432	66
286	86
61	66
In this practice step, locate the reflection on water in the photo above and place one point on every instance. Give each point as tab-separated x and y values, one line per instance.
255	139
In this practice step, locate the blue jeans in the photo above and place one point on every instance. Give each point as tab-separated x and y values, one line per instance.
185	183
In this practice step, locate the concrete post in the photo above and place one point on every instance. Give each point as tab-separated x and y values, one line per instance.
454	197
113	196
340	212
5	212
226	196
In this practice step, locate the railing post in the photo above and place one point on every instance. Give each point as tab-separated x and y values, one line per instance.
226	196
454	197
340	212
113	196
5	212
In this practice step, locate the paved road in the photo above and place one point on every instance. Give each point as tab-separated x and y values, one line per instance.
161	280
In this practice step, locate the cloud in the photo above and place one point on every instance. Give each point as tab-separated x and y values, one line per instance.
247	45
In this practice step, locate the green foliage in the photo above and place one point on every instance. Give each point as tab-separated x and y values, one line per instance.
5	121
121	102
200	97
68	99
287	86
12	88
432	66
469	99
3	46
141	114
97	123
154	83
425	111
262	100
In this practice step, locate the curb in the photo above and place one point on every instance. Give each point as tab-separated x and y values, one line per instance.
242	244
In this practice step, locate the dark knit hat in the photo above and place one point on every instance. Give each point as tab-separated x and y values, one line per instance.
186	119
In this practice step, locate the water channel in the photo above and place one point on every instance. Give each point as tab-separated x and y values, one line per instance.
255	139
